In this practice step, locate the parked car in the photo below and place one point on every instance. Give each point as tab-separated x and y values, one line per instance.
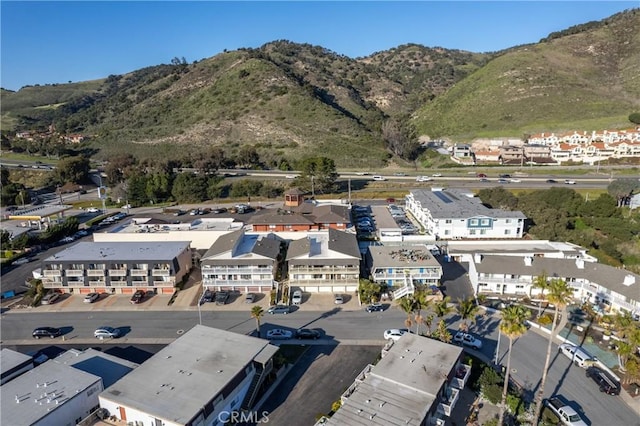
338	299
50	298
394	333
250	298
21	261
279	309
219	210
577	354
605	381
51	332
375	307
137	297
106	332
296	299
567	415
307	333
467	340
279	334
222	297
91	297
67	240
207	296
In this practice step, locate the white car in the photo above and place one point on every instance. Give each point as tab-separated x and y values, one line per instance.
395	333
515	181
423	179
570	182
467	339
437	175
92	210
280	334
296	299
338	299
379	178
21	261
91	297
106	333
290	176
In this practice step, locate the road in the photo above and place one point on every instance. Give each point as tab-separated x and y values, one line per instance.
162	327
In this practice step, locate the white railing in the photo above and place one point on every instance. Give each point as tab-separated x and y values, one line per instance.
96	272
139	272
74	272
446	406
461	376
118	272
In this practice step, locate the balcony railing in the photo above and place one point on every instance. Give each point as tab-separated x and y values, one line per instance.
237	283
160	272
223	270
52	273
96	283
117	272
139	272
461	376
74	272
448	402
118	283
96	272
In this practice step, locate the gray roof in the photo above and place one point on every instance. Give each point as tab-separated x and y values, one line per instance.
110	368
457	204
11	359
177	382
120	251
603	275
514	247
63	383
242	249
280	217
402	256
316	247
403	386
305	214
383	218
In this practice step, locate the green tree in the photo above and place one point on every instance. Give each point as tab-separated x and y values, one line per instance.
369	291
622	189
257	313
441	333
189	188
512	325
560	295
317	174
442	307
467	309
72	169
541	282
634	117
248	157
420	302
407	305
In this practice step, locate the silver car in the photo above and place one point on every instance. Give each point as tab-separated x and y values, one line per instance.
106	333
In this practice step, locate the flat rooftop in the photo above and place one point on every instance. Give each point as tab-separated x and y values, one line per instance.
458	204
119	251
177	382
32	396
110	368
154	225
383	218
39	212
513	246
402	387
11	359
402	256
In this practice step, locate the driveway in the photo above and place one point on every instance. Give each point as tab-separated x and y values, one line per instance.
318	379
455	280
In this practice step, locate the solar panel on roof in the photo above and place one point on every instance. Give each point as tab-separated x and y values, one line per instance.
442	197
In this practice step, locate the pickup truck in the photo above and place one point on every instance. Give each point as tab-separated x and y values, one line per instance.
567	415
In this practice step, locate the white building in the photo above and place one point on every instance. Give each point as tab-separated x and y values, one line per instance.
453	214
51	394
13	364
199	379
326	261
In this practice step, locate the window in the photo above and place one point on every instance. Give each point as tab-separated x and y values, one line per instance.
483	232
473	222
447	221
447	232
507	220
507	231
472	232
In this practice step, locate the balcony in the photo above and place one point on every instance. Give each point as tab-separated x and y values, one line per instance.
117	283
461	376
448	401
96	272
117	272
95	283
139	272
160	272
74	272
52	273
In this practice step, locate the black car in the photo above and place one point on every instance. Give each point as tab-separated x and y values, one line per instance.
607	384
505	176
375	307
222	297
207	297
307	333
552	181
219	210
51	332
137	297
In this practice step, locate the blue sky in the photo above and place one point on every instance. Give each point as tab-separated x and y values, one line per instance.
57	42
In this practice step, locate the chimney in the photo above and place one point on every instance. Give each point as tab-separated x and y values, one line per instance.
528	260
580	263
477	258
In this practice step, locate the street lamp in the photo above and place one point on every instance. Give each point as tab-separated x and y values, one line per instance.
498	346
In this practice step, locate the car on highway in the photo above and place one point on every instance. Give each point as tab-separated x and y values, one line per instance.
222	297
551	181
50	298
569	182
92	210
379	178
290	176
338	299
137	297
279	309
484	180
106	332
481	175
250	298
279	334
503	181
437	175
307	333
515	181
91	297
219	210
467	340
394	333
375	307
423	179
51	332
505	176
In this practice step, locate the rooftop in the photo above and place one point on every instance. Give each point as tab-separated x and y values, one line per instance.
241	247
515	247
177	382
110	368
458	204
11	359
39	212
318	247
153	225
390	256
402	387
30	397
87	251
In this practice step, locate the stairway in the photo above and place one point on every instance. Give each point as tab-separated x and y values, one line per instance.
407	289
253	388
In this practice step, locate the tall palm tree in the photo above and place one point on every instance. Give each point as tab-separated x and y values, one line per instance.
512	325
407	305
442	307
428	321
257	313
421	302
542	283
560	295
467	309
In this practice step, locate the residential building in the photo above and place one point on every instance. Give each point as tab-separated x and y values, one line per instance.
13	364
326	261
108	367
400	268
199	379
117	267
462	153
50	394
304	217
453	214
239	261
416	382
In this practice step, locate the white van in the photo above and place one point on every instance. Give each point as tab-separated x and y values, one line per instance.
296	299
578	355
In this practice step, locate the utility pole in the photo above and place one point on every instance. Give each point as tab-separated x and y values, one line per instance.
313	193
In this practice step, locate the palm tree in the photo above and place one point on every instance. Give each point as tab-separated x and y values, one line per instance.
442	307
257	313
407	304
467	309
542	283
428	321
420	302
513	326
560	295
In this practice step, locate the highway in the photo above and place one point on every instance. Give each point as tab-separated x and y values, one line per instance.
360	327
